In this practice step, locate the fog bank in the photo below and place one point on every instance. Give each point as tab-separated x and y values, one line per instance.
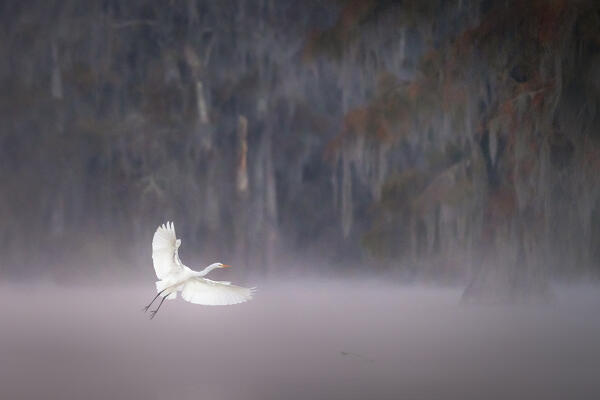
345	340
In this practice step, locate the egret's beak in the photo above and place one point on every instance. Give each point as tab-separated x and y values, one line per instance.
226	266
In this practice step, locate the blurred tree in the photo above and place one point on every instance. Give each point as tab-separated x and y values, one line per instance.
447	140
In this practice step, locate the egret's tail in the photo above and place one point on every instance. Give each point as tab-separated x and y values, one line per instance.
162	285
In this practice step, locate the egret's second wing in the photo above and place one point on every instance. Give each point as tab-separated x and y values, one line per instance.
214	293
164	251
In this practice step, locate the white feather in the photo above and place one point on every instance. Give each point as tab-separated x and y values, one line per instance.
214	293
164	251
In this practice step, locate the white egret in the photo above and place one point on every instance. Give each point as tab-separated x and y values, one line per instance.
175	277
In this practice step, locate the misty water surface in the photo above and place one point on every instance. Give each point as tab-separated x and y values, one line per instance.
289	343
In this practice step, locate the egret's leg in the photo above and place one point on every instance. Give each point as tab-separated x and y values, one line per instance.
153	312
155	297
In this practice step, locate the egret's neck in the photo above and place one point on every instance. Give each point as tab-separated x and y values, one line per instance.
208	269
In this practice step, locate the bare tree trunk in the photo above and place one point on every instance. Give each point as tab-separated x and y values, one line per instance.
242	161
241	186
56	80
347	206
271	233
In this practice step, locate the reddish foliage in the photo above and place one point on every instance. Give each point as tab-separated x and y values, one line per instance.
383	131
507	107
527	165
493	21
549	16
502	205
330	41
452	94
356	120
538	100
538	20
591	155
352	14
385	119
413	90
355	123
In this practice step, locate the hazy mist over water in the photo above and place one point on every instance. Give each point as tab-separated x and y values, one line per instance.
303	340
410	185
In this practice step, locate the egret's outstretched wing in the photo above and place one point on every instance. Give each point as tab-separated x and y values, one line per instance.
214	293
164	251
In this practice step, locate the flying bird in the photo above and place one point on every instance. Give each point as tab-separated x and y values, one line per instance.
194	287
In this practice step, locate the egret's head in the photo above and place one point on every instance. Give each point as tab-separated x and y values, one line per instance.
221	265
178	243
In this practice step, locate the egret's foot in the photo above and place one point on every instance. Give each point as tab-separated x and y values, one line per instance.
146	308
153	313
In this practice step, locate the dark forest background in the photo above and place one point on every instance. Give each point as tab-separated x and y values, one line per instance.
446	141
